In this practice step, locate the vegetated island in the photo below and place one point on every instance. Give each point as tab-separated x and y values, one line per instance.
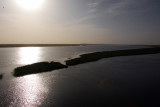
84	58
37	68
1	76
108	54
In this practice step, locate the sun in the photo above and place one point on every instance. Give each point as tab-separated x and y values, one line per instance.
30	4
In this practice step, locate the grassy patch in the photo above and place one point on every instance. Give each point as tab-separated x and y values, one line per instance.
107	54
37	68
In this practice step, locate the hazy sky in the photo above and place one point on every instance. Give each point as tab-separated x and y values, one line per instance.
81	21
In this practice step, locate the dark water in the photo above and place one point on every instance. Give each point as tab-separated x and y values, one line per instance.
119	81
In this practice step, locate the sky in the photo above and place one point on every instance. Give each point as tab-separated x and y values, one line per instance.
81	22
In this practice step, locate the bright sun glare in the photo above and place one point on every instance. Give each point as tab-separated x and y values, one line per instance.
29	55
30	4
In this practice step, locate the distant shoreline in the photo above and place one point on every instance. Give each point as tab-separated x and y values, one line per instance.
37	45
52	45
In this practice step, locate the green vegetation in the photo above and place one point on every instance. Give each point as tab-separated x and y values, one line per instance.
107	54
1	76
37	68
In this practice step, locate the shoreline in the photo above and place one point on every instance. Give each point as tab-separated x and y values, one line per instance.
38	45
52	45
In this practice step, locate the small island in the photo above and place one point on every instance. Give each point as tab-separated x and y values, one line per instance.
1	76
37	68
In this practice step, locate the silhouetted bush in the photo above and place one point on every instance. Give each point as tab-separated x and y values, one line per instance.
37	68
1	76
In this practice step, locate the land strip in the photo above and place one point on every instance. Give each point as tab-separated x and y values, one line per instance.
84	58
108	54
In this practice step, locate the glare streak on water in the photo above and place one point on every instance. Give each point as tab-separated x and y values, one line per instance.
28	91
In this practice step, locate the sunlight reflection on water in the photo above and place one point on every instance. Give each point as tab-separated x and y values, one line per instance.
29	55
30	91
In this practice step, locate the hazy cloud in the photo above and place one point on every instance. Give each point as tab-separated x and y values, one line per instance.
110	21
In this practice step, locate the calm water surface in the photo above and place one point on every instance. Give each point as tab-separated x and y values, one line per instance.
127	81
